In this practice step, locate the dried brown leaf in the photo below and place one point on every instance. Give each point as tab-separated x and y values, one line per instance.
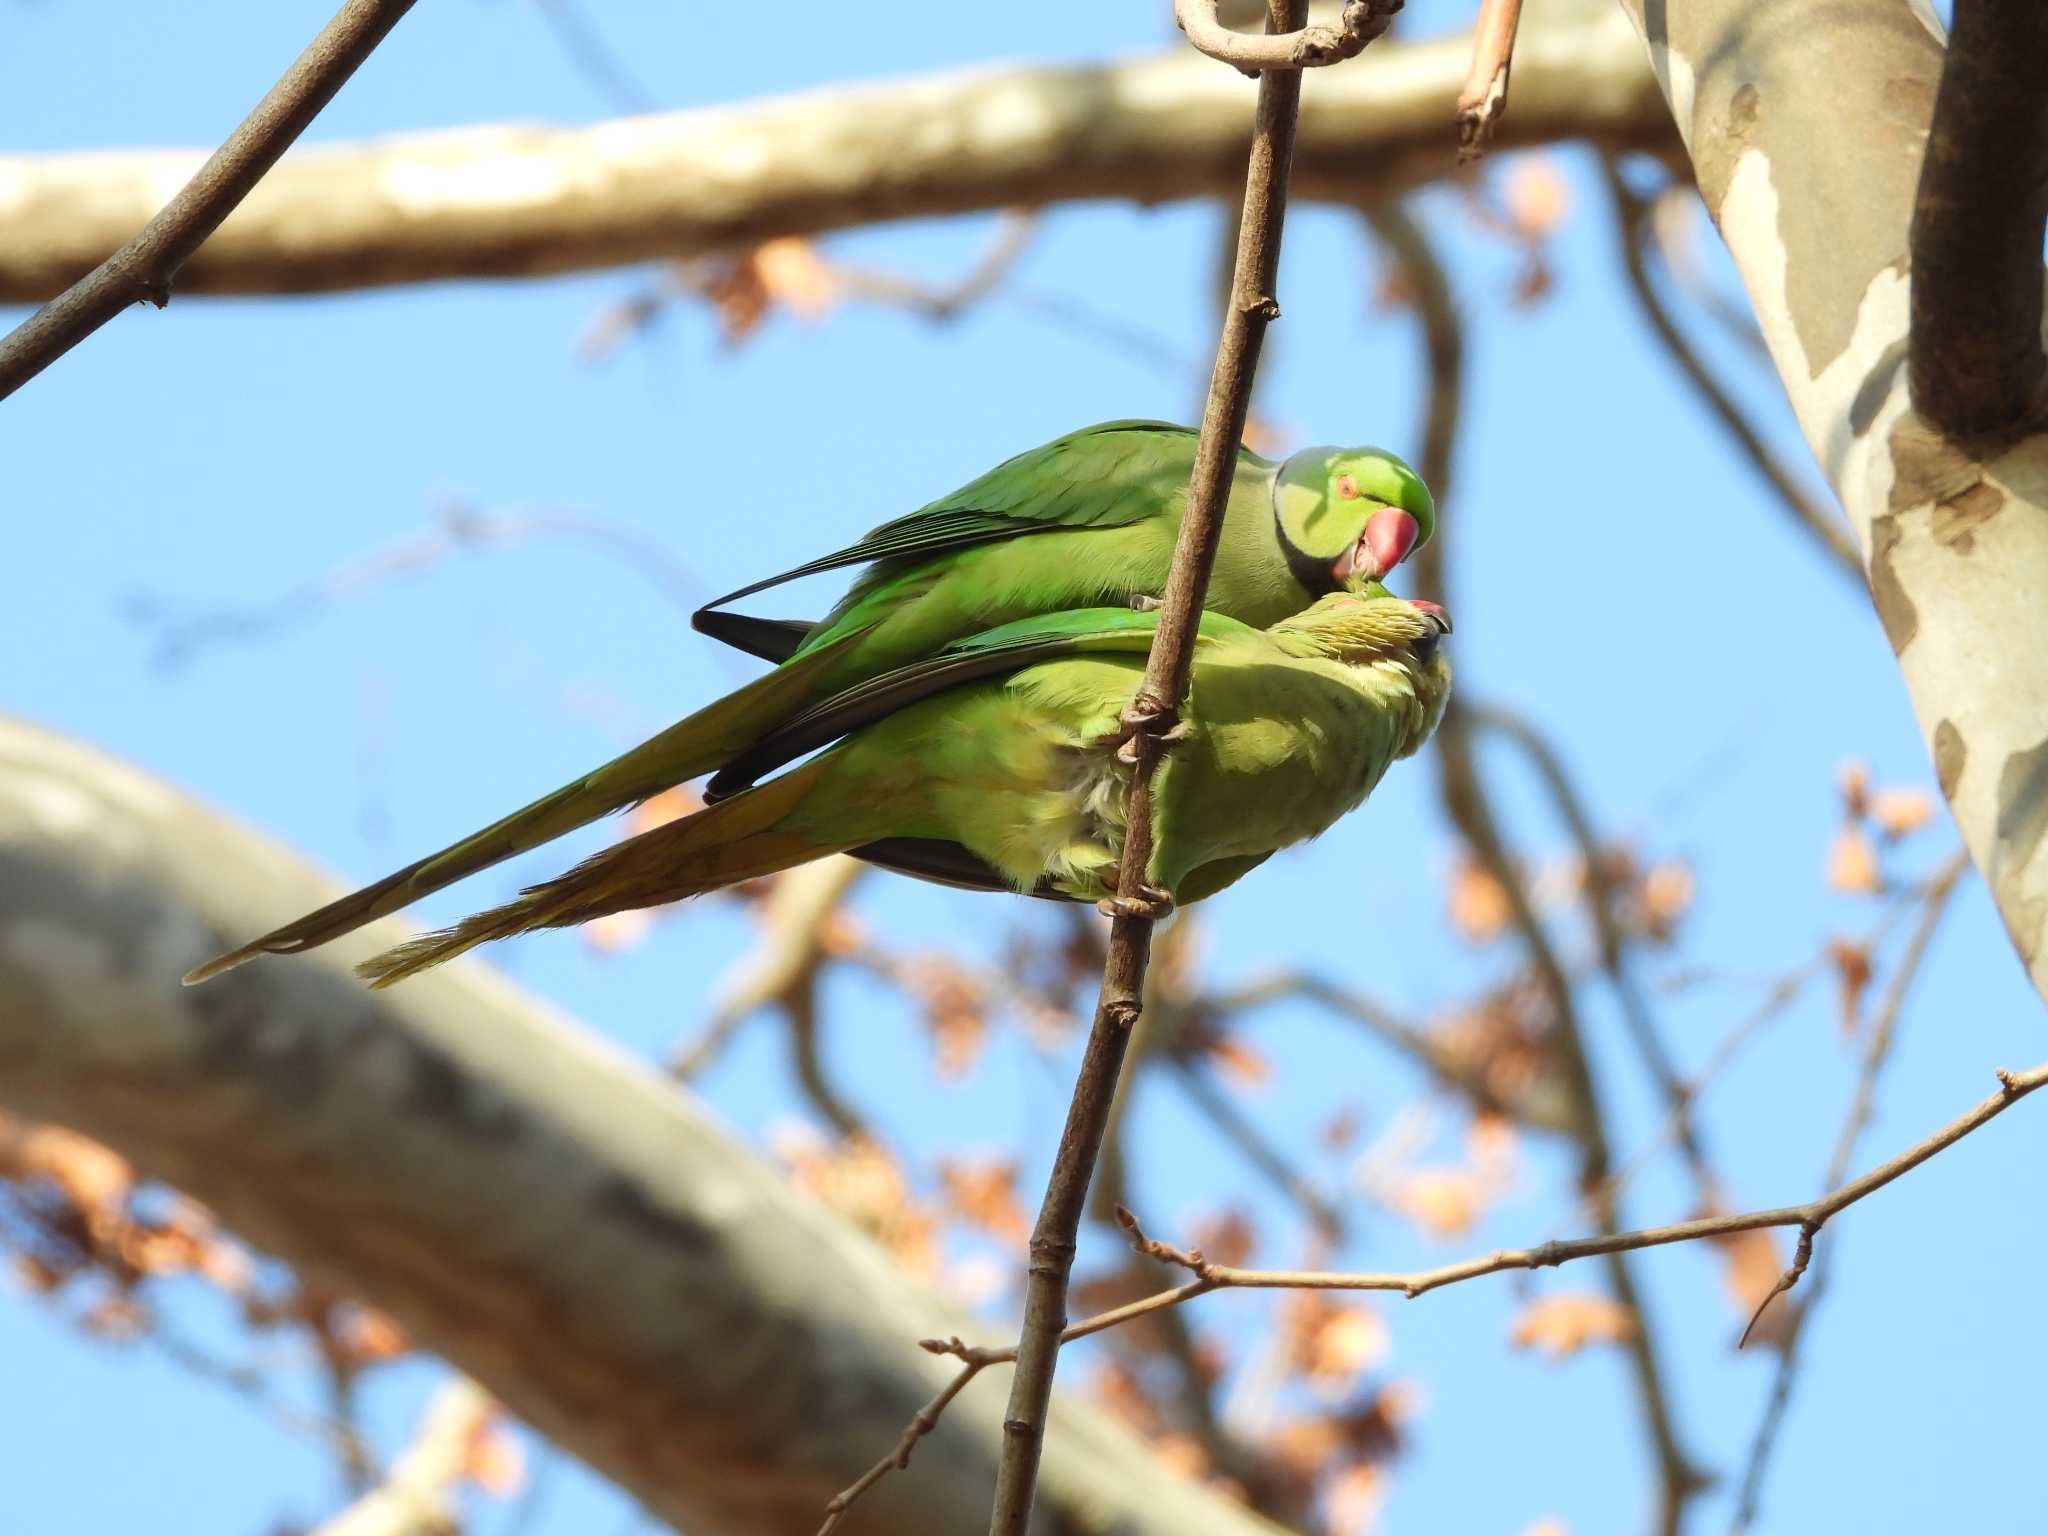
1565	1322
1852	965
1901	812
1853	779
984	1194
1329	1342
1852	863
1537	196
495	1463
1478	904
1443	1201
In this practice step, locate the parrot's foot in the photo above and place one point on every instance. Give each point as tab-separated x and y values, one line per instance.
1146	604
1130	724
1153	901
1168	740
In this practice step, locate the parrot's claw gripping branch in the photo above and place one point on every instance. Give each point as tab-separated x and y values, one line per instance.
1152	902
1279	58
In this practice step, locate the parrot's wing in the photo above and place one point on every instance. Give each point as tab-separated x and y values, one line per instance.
773	640
993	653
686	749
944	863
1105	476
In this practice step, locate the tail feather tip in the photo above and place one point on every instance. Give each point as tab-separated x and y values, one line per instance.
220	964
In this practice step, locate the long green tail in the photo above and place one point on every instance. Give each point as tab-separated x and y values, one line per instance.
692	746
738	839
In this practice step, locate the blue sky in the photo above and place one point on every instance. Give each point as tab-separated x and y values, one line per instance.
1620	577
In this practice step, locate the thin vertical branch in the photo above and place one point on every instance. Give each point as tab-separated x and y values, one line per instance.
144	268
1154	713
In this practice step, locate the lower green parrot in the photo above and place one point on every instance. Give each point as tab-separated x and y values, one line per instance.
1006	746
1088	519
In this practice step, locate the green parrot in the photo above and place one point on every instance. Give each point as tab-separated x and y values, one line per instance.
1085	520
1007	747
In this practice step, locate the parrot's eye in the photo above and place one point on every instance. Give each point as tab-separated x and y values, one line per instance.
1347	488
1425	648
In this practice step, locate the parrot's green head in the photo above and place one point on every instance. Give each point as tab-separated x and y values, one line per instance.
1399	639
1349	515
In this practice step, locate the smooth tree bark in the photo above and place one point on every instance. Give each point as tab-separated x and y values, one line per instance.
515	201
1807	123
556	1219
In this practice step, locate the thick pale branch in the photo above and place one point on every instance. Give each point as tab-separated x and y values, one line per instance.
556	1219
518	201
145	267
1954	534
1976	363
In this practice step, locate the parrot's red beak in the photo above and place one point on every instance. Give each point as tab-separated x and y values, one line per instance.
1436	613
1389	534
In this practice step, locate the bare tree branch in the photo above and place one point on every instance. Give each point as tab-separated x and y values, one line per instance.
147	265
459	529
559	1221
1809	1218
1635	215
1609	939
1883	1031
520	201
1485	95
1976	365
1153	720
1538	1106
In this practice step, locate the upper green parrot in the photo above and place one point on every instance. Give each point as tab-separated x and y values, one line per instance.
1005	746
1087	519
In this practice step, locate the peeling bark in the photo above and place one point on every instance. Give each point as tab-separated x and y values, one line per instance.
554	1218
516	201
1807	121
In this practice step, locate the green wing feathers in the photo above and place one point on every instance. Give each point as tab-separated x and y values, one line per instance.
738	839
692	746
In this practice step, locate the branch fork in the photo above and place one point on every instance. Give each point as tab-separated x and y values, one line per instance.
1361	22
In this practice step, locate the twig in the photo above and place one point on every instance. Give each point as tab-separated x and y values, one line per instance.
1443	340
418	1497
1457	1070
1882	1033
1633	213
1153	716
146	266
1485	97
782	967
1014	234
1295	47
1609	938
460	528
2012	1087
593	58
1268	1159
1974	359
